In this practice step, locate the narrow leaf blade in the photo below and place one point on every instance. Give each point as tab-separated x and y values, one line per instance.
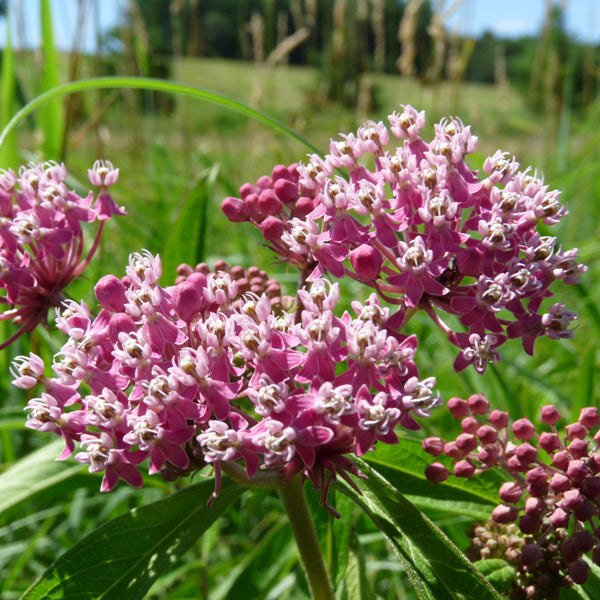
436	568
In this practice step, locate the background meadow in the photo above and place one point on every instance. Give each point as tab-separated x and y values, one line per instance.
179	157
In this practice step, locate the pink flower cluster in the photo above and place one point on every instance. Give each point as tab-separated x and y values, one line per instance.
558	491
194	371
424	230
42	240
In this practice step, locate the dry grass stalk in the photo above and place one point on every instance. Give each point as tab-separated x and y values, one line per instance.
406	36
378	26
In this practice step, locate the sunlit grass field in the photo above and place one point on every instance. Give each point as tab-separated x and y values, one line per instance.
195	152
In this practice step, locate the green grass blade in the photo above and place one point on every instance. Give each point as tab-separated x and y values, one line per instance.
9	153
157	85
122	558
35	473
51	114
186	241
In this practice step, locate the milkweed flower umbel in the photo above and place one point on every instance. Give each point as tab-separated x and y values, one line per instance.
414	222
42	238
204	372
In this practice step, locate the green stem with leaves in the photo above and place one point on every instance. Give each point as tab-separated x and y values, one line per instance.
294	500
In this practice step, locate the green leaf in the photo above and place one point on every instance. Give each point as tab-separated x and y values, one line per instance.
158	85
35	473
122	558
186	240
259	570
51	115
498	572
403	465
9	153
436	568
339	536
355	582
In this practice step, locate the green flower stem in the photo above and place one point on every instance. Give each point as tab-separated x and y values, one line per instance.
294	500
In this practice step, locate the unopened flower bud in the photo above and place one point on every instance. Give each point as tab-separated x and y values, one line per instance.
561	460
433	445
478	404
578	448
272	229
110	293
466	442
577	470
526	453
589	417
530	524
464	468
523	429
578	571
187	299
487	434
569	550
576	430
436	472
470	425
550	442
531	555
505	514
535	506
560	483
591	487
559	518
451	450
511	492
234	209
585	511
286	190
366	261
303	206
550	414
584	540
268	202
458	407
489	456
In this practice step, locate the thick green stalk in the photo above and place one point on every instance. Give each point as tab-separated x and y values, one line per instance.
294	500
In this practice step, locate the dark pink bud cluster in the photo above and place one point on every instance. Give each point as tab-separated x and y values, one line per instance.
193	371
252	279
42	239
555	476
424	230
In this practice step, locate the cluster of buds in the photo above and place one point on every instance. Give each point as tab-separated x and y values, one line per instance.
162	373
541	581
556	492
42	240
252	279
424	230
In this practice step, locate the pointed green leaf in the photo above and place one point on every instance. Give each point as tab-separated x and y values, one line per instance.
51	115
498	572
186	240
35	473
9	153
437	569
122	558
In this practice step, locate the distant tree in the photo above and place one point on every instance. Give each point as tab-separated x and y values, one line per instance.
481	66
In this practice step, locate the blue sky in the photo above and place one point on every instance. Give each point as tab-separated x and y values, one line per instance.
504	17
